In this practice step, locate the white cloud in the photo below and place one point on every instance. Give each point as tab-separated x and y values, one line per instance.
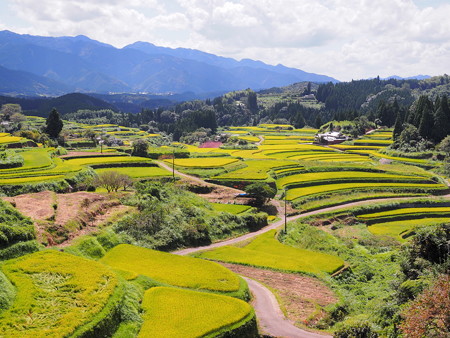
341	38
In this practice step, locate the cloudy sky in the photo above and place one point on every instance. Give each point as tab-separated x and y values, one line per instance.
346	39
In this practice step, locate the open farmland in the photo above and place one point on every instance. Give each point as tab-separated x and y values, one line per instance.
255	170
138	172
267	252
172	269
318	190
55	295
170	312
204	162
401	230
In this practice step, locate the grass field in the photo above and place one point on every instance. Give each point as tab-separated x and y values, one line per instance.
267	252
172	269
170	312
231	208
55	294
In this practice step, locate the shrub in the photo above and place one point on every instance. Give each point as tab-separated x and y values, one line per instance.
355	329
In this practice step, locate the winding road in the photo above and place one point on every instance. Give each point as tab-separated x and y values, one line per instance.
271	319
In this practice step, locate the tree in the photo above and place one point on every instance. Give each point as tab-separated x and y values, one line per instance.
445	146
140	148
9	110
426	125
53	124
398	126
429	314
112	180
252	103
299	120
260	192
441	119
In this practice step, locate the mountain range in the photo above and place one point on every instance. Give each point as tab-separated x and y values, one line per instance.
37	65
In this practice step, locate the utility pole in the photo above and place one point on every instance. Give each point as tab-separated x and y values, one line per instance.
173	165
285	212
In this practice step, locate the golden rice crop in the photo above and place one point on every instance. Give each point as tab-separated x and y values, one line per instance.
256	170
56	293
203	162
320	189
170	312
172	269
266	251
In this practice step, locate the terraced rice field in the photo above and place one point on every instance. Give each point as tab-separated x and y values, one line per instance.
138	172
267	252
171	269
170	312
88	161
400	230
56	294
255	170
296	193
203	162
6	138
327	177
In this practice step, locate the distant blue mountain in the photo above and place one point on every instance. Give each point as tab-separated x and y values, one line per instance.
416	77
15	82
82	64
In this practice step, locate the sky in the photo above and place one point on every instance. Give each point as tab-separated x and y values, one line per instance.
345	39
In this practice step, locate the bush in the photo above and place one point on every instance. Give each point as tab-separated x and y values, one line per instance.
356	328
10	159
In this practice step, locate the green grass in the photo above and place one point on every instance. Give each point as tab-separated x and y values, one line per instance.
172	269
231	208
170	312
138	172
267	252
56	293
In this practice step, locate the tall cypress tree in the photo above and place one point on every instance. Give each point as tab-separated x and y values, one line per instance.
441	119
398	125
53	124
426	124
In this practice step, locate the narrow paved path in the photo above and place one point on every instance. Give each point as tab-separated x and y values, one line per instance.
270	317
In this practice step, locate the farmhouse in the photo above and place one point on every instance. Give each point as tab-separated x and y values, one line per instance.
332	137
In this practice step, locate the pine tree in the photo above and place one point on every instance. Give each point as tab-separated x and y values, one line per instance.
54	124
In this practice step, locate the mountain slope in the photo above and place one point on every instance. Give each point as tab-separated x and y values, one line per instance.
91	66
13	82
